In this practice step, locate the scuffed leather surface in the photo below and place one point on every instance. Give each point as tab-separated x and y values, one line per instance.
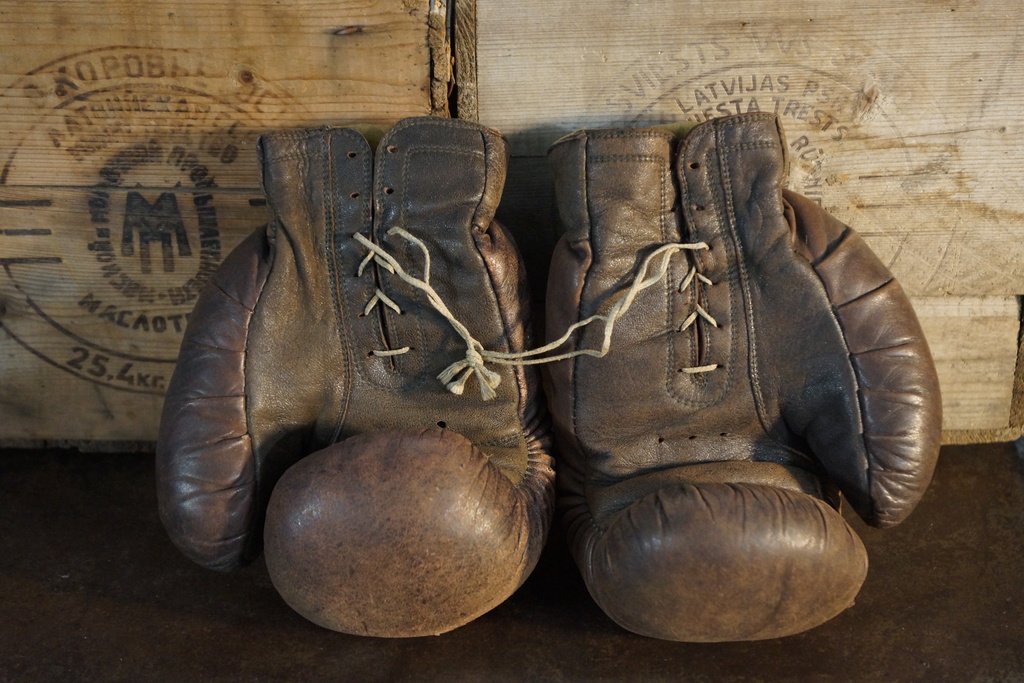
824	380
397	533
299	376
757	562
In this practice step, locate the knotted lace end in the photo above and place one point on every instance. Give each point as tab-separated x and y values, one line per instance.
458	373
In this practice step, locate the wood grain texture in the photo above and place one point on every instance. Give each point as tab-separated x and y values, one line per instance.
464	49
974	343
901	121
128	170
441	59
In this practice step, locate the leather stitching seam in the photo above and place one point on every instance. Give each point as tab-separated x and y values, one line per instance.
334	281
739	271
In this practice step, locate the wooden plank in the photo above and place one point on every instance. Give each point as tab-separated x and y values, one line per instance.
906	128
441	58
974	343
464	60
128	170
904	124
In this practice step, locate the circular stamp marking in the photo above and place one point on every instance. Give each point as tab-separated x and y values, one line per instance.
845	147
818	110
119	193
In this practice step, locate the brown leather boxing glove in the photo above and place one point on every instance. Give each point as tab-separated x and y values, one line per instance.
756	357
417	509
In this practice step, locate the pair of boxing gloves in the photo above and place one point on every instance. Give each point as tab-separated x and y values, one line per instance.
358	391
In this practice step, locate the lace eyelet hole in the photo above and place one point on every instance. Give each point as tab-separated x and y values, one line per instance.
694	165
389	190
442	424
354	195
697	207
692	437
392	149
352	155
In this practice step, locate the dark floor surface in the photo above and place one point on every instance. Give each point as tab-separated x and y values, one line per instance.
91	589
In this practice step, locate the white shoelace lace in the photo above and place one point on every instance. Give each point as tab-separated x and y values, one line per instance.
458	373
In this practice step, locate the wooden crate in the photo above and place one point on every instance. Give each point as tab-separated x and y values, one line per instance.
902	119
127	165
127	172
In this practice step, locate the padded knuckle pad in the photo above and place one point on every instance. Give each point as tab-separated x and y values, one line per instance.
205	475
851	270
721	562
898	387
879	320
397	534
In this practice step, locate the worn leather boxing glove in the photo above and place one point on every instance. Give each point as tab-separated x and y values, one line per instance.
762	358
417	509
